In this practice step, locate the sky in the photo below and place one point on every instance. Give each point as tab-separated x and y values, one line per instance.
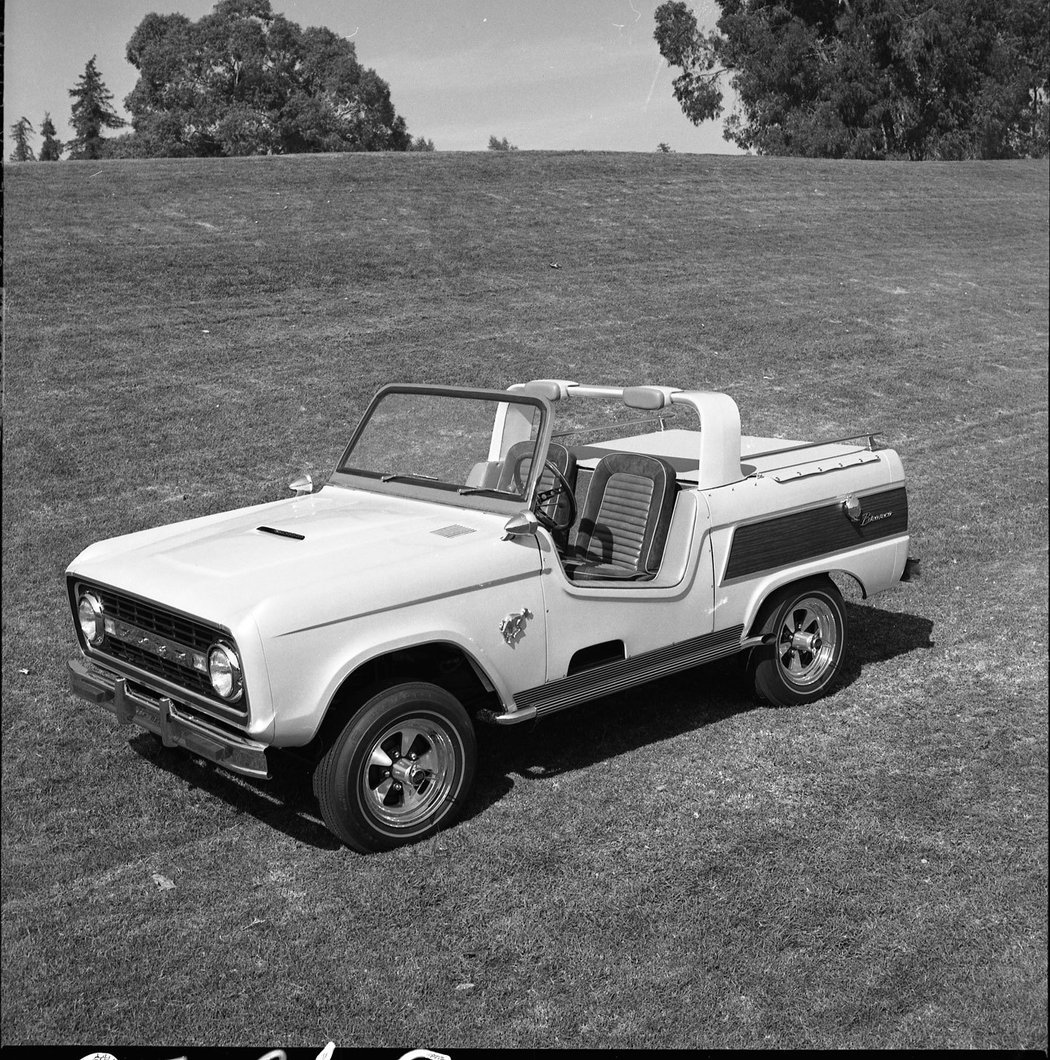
545	74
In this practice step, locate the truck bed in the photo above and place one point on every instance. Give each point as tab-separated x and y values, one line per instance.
776	457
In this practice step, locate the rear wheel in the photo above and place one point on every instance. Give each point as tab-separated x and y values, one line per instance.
805	631
399	770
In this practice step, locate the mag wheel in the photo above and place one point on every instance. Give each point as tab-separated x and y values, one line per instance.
805	633
399	770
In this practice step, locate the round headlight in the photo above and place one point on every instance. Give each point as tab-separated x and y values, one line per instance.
224	669
89	611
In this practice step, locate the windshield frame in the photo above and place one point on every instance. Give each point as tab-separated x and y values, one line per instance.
419	489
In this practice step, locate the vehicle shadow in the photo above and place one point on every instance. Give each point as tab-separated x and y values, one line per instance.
876	636
285	802
687	702
565	742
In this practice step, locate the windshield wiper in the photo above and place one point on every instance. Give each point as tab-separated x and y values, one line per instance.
463	491
468	491
397	477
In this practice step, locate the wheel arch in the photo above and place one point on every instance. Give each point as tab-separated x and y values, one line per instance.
444	663
774	594
842	577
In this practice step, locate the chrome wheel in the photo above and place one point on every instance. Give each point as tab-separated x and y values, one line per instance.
408	772
400	769
806	641
804	637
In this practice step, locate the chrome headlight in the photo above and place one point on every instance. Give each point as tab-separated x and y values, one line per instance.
89	612
224	669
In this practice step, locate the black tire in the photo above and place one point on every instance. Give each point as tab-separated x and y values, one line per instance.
400	769
805	625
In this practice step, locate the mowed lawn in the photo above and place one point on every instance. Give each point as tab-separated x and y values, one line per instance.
675	865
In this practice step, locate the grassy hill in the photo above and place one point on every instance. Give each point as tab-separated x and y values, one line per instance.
671	866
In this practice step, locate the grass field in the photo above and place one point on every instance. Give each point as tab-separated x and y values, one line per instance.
671	866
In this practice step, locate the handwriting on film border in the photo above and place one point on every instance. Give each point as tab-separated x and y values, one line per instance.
324	1054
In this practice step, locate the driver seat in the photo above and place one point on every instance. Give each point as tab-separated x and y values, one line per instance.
517	465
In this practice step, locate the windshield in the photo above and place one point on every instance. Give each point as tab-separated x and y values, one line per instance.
466	442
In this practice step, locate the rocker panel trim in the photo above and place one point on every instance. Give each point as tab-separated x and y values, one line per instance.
612	677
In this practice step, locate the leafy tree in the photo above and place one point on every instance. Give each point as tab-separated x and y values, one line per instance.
868	78
91	113
243	80
501	145
421	144
51	149
21	131
664	148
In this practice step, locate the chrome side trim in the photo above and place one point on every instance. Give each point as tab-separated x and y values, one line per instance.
476	587
616	676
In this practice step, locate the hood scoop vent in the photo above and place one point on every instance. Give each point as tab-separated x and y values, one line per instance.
280	533
455	530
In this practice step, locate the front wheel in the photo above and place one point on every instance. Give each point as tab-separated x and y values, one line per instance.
805	637
399	770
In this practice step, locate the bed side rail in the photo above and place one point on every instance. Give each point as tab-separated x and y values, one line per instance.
872	444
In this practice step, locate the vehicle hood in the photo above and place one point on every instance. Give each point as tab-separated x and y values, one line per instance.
312	559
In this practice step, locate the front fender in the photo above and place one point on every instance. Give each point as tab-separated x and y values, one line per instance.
309	666
299	729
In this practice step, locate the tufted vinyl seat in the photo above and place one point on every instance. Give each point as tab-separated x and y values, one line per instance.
625	518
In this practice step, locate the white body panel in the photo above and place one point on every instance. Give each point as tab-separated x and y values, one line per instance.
370	575
353	574
675	605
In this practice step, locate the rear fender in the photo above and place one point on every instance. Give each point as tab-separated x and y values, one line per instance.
876	567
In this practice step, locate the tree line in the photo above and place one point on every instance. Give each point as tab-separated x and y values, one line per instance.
238	81
870	79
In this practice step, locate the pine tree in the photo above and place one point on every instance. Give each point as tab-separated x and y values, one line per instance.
92	112
51	149
21	131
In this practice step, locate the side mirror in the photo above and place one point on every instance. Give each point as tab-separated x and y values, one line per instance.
301	484
521	525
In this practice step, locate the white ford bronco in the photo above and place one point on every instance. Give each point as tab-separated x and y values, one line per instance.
483	555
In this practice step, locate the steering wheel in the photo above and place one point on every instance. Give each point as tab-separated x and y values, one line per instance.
561	488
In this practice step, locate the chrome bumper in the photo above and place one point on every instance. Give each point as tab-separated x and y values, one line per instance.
161	716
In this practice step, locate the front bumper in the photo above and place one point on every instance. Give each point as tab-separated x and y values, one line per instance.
163	717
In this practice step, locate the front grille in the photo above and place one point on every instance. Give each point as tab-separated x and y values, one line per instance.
154	619
194	680
164	625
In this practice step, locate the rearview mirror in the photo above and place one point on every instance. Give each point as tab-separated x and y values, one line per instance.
301	484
